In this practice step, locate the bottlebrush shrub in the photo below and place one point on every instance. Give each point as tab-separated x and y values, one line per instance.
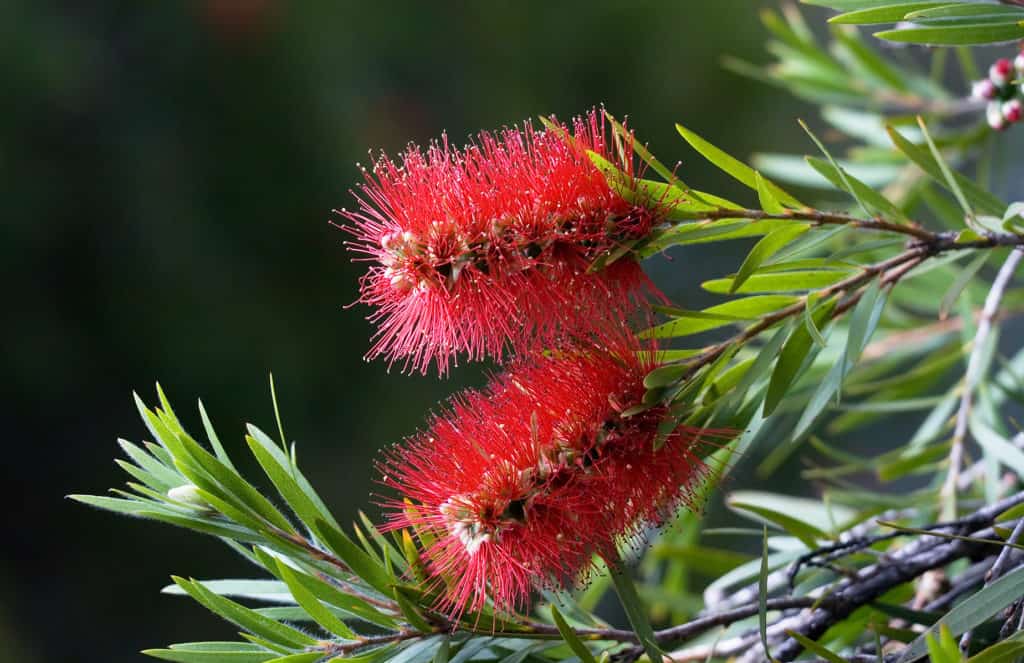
517	486
479	250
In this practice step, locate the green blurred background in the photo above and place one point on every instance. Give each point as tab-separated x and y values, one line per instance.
167	173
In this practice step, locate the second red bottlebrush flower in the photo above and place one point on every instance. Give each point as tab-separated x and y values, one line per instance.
481	250
516	487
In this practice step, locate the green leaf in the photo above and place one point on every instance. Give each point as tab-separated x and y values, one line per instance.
812	328
815	513
792	358
720	315
282	479
973	611
943	649
304	657
210	474
641	150
847	185
769	203
844	181
167	477
852	49
301	490
816	648
327	591
974	195
965	276
1007	651
762	595
768	246
740	171
211	435
441	655
213	652
947	173
959	10
364	566
635	610
780	282
892	12
571	638
411	612
257	590
790	522
795	170
958	34
244	617
997	446
305	598
762	364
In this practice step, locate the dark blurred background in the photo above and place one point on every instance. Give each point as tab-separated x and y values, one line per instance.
167	172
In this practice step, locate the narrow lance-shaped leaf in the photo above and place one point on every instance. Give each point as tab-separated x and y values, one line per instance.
324	617
974	195
244	617
973	611
762	595
765	248
792	357
571	638
733	166
635	610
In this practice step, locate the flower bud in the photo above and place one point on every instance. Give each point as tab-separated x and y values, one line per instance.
1000	72
994	115
389	240
1012	111
1018	63
399	279
983	89
188	494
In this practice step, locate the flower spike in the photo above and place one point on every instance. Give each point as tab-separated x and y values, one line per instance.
516	487
478	251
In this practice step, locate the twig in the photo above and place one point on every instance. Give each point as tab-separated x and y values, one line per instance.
825	219
347	647
996	571
901	566
866	275
702	624
973	375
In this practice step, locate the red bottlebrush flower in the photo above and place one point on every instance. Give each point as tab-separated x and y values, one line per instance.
477	251
517	486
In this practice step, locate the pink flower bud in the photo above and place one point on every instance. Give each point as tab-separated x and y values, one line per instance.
1018	63
983	89
388	241
994	115
400	280
1000	72
1012	111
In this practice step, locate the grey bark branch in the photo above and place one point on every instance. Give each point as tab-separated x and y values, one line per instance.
973	375
901	566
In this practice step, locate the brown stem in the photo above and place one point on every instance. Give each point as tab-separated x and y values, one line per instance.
914	256
919	251
825	219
